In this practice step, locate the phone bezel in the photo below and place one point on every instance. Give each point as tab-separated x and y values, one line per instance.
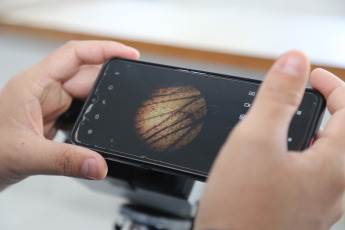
164	167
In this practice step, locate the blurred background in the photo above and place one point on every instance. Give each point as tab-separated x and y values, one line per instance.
226	36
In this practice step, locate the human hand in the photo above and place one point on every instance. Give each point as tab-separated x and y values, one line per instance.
256	183
31	102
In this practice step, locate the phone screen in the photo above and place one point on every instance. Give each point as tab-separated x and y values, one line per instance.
171	116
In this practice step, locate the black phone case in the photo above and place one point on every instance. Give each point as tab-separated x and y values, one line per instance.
175	169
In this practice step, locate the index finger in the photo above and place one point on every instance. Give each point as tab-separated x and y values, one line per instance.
63	63
333	89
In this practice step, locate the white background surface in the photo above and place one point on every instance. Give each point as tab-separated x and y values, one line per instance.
264	28
51	202
45	202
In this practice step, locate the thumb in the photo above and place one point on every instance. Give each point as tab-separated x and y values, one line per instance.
56	158
280	94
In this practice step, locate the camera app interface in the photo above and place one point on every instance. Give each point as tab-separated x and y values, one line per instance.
170	116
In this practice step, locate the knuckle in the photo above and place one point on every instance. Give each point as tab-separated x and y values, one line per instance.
70	46
71	43
64	162
341	211
293	97
285	96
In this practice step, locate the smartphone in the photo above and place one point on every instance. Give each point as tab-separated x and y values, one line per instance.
173	119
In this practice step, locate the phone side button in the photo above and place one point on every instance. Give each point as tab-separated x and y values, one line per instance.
312	141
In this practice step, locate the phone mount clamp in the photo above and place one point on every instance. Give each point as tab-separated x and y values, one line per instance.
156	200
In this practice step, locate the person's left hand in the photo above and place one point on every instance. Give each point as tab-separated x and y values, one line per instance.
31	102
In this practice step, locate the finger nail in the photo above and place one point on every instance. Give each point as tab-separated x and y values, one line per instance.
89	169
293	63
135	52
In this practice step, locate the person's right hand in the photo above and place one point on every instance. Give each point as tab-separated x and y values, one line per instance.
256	183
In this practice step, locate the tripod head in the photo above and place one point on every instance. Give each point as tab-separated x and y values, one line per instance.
158	200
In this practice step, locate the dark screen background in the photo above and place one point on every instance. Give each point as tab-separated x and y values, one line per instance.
109	123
